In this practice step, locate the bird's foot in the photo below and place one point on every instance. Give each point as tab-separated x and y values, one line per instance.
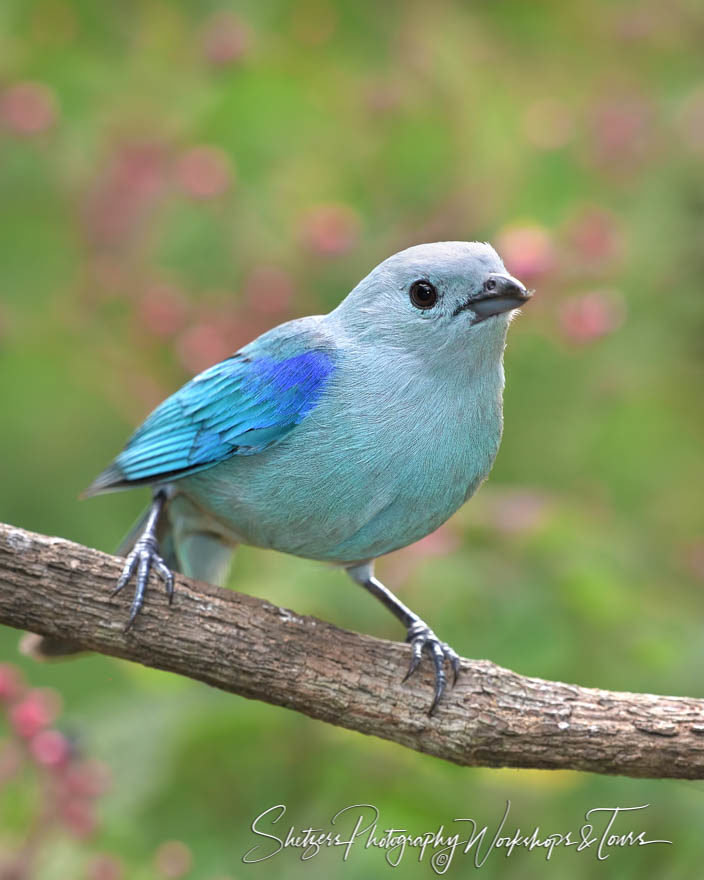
144	557
422	638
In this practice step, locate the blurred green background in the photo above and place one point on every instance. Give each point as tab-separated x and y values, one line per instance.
176	177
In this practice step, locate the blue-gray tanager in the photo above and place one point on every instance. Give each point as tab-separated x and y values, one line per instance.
338	437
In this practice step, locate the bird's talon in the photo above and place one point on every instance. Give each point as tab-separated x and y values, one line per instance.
144	558
413	665
127	572
422	638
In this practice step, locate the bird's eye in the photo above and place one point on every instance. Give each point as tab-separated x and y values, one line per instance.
490	284
423	294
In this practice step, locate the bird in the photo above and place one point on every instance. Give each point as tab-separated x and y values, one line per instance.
337	437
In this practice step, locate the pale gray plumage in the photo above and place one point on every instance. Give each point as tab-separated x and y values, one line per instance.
338	437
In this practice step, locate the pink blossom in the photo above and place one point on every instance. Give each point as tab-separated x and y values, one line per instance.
527	251
441	542
655	25
517	511
438	543
36	710
173	859
125	191
203	344
692	555
162	310
106	279
104	867
622	130
590	316
268	290
50	748
11	682
11	759
331	230
86	779
204	172
596	237
383	97
225	38
79	817
28	108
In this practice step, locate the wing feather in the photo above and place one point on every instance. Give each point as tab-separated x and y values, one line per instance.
240	406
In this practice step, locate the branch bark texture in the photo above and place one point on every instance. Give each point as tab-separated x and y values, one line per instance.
493	717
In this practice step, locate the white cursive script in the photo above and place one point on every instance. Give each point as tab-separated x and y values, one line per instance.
358	825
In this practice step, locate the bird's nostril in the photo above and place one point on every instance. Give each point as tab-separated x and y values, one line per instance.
505	285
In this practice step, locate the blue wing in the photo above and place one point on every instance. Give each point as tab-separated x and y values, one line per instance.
241	406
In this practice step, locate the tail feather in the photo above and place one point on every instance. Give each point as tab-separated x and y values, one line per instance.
110	480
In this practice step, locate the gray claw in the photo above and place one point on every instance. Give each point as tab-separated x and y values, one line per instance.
144	558
127	572
422	638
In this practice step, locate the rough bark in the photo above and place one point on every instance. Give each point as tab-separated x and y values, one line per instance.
493	717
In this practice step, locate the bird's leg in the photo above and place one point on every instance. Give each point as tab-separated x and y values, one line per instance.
143	557
420	636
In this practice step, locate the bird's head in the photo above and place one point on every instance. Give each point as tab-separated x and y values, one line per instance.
441	296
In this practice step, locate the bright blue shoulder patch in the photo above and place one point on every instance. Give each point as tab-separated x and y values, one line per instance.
238	407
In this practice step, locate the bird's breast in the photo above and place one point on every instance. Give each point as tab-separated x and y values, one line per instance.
376	466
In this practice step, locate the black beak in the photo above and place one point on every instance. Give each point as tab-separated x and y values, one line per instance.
500	293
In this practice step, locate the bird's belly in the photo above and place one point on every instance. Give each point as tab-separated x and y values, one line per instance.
343	509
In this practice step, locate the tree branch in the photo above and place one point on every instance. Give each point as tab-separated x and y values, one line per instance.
493	717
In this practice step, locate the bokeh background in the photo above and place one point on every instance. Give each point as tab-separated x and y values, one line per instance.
176	177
